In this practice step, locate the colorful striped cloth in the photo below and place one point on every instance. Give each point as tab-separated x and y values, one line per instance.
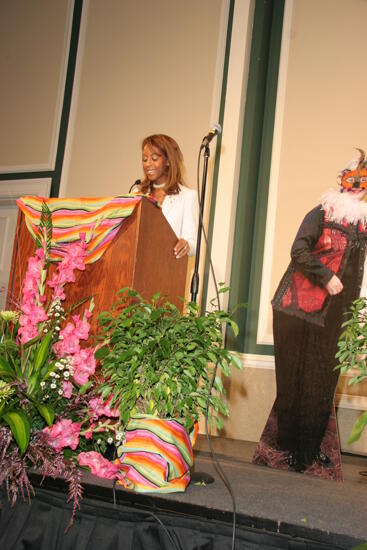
157	455
99	218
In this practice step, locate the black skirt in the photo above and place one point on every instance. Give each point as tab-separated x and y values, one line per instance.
305	370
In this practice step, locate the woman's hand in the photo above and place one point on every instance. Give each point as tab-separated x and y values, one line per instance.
334	286
182	248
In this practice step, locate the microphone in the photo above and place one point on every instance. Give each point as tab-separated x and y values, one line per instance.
137	182
215	131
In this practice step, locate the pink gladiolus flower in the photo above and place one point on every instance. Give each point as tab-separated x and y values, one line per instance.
33	314
74	259
99	465
81	328
35	264
99	408
40	253
67	388
68	343
84	365
63	434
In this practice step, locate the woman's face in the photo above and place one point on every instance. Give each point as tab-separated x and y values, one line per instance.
155	164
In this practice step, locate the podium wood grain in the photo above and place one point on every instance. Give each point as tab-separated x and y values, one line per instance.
140	257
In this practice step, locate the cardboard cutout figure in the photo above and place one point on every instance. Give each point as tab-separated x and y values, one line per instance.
325	275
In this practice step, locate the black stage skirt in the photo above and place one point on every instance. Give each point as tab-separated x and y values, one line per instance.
305	375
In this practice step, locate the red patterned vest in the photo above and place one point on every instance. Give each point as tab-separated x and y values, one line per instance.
296	294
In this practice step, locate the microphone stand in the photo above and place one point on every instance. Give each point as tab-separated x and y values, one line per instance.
200	477
195	277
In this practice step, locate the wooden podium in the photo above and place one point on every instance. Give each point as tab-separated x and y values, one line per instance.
140	257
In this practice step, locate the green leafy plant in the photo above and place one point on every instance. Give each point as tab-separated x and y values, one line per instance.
159	361
352	355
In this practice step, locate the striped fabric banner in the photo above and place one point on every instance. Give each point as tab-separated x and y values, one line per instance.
99	218
157	455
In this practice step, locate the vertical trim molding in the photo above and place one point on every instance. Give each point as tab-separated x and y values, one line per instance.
256	151
224	192
74	99
69	83
265	336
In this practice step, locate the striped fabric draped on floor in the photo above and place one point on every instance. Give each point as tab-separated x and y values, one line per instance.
157	455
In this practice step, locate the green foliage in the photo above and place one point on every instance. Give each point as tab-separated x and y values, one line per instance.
19	424
44	234
358	428
158	361
352	354
23	368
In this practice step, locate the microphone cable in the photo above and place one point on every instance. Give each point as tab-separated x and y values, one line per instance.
175	543
208	437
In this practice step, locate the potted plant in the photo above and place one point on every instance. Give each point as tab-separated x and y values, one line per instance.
160	365
352	355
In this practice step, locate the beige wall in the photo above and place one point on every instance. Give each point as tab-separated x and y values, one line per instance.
145	67
34	45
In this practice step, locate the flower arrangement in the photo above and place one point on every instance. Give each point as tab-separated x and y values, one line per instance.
51	416
58	414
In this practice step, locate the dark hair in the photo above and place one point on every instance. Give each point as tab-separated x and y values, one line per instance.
170	149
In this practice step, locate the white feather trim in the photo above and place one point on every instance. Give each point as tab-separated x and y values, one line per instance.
343	206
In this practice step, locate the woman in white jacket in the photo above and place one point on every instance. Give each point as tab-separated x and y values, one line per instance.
162	164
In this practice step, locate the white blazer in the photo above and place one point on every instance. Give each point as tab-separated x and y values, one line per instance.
182	213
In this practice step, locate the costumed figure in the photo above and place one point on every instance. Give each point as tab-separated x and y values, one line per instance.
162	164
325	275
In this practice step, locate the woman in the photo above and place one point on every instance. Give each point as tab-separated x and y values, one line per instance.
325	275
162	165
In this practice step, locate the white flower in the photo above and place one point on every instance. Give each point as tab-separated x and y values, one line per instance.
99	441
118	436
57	376
57	314
58	328
110	440
53	386
52	374
43	384
66	374
60	392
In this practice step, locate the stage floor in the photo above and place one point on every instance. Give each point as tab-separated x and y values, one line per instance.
299	505
294	507
286	501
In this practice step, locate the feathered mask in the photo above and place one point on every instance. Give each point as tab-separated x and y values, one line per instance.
354	176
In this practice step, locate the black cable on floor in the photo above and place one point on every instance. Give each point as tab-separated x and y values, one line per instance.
147	513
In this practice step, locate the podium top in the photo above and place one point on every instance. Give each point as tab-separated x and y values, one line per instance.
98	218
